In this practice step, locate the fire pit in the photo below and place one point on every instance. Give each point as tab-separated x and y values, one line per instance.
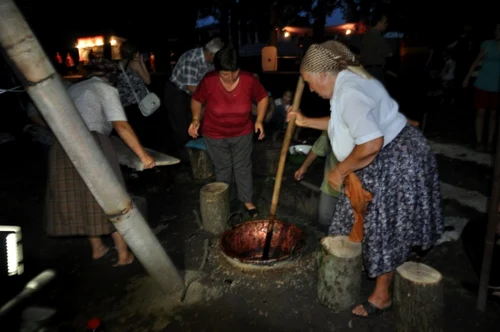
244	243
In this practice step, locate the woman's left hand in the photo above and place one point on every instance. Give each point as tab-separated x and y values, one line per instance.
335	180
259	127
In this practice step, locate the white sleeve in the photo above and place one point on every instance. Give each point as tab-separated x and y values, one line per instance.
356	109
113	109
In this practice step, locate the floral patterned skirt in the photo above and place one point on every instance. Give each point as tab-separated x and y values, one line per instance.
406	208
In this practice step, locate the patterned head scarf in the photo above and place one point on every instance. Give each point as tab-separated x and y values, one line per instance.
331	56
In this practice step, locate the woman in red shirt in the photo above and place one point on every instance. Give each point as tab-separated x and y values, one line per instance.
226	96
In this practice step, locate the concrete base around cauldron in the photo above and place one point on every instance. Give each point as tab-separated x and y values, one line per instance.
285	264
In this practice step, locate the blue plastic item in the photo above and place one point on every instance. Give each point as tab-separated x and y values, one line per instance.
198	143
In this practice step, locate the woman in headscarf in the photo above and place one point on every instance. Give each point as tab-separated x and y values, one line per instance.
393	160
71	209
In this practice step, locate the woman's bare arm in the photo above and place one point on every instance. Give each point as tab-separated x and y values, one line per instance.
140	68
361	156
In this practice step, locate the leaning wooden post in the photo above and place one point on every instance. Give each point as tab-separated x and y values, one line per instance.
339	279
418	298
214	206
489	239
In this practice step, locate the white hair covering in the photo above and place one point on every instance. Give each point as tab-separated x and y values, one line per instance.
214	45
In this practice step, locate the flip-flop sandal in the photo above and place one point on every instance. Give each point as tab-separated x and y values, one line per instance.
104	257
371	310
253	212
116	264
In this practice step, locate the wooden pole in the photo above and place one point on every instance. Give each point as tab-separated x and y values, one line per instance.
339	273
284	150
493	219
418	298
281	167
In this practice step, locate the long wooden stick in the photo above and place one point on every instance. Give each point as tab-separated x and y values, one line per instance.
281	167
489	240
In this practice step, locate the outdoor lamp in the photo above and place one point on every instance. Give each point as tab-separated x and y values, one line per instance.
11	251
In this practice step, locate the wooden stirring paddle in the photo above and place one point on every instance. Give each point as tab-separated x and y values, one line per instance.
281	167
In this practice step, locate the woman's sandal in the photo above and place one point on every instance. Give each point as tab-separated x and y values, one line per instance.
371	310
131	261
253	212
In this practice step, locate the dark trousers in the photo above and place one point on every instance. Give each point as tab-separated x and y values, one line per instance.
178	106
326	208
233	156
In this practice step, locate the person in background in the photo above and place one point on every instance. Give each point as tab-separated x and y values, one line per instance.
152	62
187	74
487	87
270	112
59	63
282	105
464	51
448	79
132	64
227	95
70	207
371	138
328	197
70	64
374	49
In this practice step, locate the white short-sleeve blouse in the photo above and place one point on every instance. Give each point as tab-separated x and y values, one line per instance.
361	111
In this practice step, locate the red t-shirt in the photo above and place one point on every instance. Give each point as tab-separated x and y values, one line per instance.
228	113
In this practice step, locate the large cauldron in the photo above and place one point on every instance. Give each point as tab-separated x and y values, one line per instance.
245	242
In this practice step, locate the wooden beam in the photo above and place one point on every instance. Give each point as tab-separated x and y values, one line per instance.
493	219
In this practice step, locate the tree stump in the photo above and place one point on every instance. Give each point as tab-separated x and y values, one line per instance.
339	277
418	298
214	206
200	164
265	162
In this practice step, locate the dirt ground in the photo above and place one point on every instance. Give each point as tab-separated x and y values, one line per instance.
225	297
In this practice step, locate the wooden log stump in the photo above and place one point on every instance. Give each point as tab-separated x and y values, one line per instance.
418	298
339	277
265	161
201	164
214	206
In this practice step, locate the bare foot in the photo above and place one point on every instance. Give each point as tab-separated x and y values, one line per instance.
377	302
125	260
100	252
